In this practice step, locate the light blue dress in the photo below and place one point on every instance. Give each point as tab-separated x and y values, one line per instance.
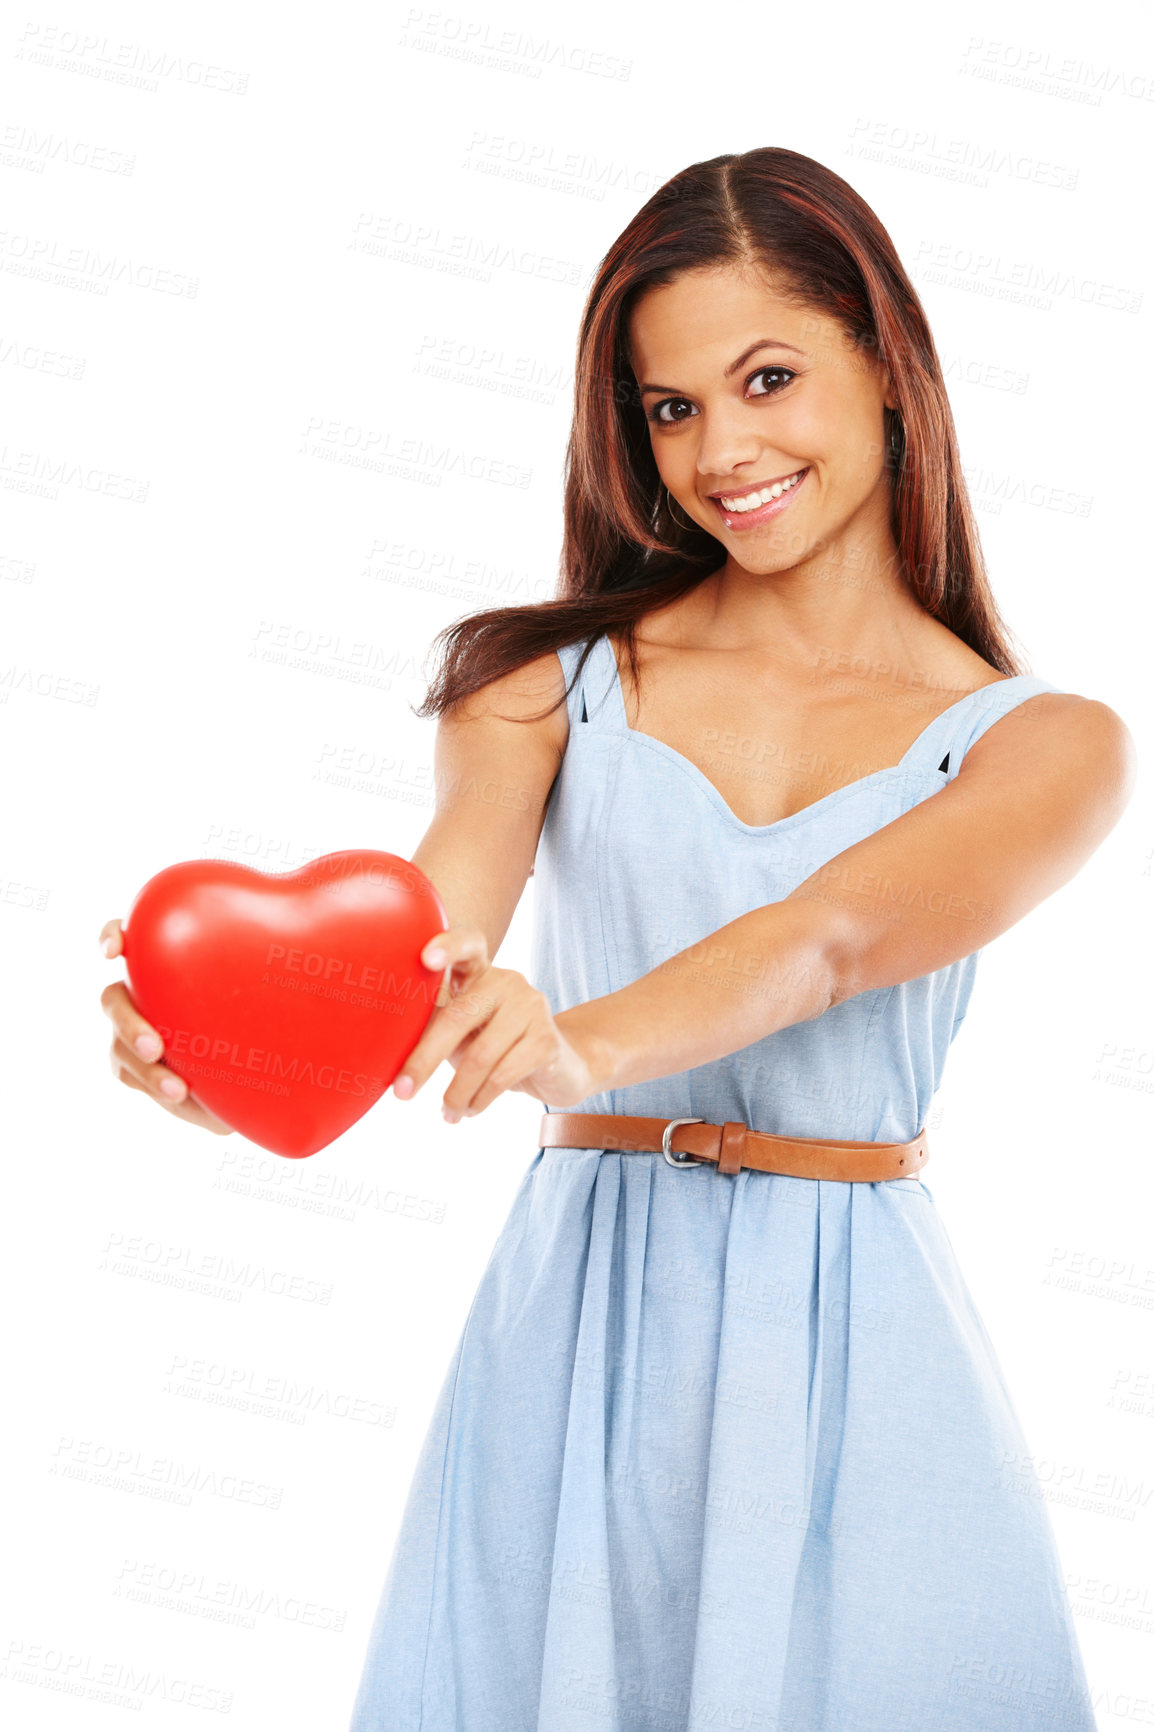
716	1451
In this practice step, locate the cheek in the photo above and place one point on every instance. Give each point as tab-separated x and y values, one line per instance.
675	460
846	445
861	446
803	429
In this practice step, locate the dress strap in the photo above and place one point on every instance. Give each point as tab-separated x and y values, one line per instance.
595	695
944	744
567	655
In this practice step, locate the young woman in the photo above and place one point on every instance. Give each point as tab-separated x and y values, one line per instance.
724	1441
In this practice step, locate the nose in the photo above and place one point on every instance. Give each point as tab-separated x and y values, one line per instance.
730	450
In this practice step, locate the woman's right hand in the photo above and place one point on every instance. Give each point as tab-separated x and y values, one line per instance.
137	1049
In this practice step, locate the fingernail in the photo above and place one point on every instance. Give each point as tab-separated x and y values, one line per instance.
147	1046
173	1086
435	958
449	1116
106	944
471	1112
403	1087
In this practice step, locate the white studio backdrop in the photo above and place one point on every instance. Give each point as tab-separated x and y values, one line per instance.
290	312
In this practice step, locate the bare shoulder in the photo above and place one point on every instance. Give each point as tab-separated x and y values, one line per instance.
520	695
519	720
1069	748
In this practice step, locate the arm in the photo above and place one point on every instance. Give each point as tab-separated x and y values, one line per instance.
493	776
1035	796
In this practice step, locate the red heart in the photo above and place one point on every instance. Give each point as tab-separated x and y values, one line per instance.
288	1002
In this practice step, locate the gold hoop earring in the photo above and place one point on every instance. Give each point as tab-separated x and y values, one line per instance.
669	498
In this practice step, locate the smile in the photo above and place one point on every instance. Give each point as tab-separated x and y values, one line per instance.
758	503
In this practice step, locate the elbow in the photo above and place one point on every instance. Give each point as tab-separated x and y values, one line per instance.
847	979
839	962
804	967
858	956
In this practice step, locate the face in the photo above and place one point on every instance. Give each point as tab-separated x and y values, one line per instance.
744	391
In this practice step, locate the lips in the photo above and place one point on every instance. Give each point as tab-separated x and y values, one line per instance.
752	486
762	513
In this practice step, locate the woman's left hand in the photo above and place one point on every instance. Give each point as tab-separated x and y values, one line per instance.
496	1030
567	1078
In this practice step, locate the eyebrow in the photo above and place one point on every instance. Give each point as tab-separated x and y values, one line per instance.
761	343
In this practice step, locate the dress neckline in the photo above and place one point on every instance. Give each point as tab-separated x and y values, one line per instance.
904	767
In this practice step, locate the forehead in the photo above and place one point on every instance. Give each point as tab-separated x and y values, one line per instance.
706	317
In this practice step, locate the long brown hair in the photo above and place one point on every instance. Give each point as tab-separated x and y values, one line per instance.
623	554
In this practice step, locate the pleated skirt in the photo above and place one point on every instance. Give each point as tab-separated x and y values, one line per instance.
727	1452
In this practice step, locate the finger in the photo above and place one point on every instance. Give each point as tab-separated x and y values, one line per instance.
128	1022
161	1082
463	952
127	1078
524	1059
442	1036
449	1026
519	1062
189	1110
459	1050
487	1064
110	938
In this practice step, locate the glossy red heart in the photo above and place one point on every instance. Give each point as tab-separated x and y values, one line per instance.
287	1001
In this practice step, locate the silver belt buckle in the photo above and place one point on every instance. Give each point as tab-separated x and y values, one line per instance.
674	1159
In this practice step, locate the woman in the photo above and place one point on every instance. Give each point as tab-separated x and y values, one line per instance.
724	1441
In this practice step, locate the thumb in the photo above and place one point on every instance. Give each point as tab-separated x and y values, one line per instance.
463	953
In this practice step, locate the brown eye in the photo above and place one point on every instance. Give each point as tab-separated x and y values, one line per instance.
667	402
781	374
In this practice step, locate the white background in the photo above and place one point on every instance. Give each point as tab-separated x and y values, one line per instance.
197	316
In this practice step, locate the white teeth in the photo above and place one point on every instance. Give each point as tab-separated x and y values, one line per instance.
751	501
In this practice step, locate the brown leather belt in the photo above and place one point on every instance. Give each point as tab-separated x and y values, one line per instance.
733	1146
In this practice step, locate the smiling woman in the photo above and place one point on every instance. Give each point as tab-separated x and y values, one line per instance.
758	500
723	1409
761	440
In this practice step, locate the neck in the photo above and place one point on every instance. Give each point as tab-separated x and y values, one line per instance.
848	597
